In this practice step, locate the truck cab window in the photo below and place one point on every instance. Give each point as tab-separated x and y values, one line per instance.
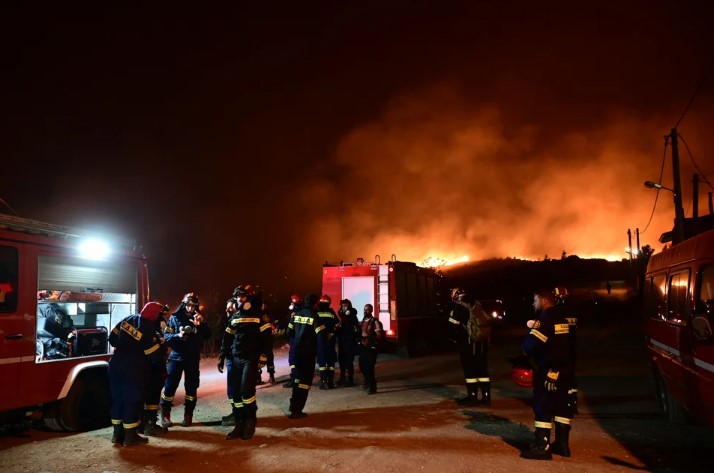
678	297
654	297
8	279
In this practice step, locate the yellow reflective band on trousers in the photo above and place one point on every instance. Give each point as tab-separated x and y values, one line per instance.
133	425
191	398
562	420
304	386
472	380
238	404
250	400
483	380
116	421
543	425
166	398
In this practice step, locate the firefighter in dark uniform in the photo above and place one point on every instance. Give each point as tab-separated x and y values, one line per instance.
550	345
130	371
227	361
306	329
267	358
346	332
371	333
472	343
242	343
295	307
326	351
561	294
184	334
150	426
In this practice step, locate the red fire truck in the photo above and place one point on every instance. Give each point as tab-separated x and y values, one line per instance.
409	300
61	292
679	316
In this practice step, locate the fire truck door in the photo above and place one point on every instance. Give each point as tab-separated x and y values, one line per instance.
360	291
15	330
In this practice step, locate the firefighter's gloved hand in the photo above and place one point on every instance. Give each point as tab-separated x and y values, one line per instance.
550	379
262	361
221	363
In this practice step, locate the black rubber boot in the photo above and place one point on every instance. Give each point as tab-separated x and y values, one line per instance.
131	437
540	450
485	394
341	381
271	379
188	415
561	446
249	427
166	415
331	380
469	400
237	431
152	428
118	435
350	379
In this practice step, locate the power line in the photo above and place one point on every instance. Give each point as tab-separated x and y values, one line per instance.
691	157
661	173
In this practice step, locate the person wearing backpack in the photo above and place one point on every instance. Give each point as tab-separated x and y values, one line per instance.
471	331
371	333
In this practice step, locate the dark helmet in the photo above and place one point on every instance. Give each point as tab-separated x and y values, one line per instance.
295	299
522	376
190	299
456	292
244	290
346	302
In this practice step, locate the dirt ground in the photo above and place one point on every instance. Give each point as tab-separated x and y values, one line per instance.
411	425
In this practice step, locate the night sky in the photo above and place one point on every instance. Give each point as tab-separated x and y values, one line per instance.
250	145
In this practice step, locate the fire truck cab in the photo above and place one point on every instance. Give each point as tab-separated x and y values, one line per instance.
407	299
679	317
59	299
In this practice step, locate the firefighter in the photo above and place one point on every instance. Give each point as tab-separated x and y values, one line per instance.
130	371
550	345
227	362
184	332
267	330
561	294
471	331
346	332
156	383
242	343
371	333
326	351
294	307
306	329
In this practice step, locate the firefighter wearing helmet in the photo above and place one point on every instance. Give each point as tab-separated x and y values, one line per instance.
294	307
561	294
185	331
242	342
326	347
471	331
551	346
130	371
150	425
347	332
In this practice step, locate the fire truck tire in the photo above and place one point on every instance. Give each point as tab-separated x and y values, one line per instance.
87	405
50	417
670	407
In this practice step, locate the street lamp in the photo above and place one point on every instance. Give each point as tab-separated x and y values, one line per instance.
654	185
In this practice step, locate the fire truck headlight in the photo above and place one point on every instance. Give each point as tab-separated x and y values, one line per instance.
94	249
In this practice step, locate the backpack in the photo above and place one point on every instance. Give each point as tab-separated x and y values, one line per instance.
478	326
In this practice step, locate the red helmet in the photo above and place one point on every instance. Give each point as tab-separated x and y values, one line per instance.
522	377
456	292
325	299
295	299
153	310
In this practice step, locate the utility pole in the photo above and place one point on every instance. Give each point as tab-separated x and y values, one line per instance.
695	197
678	209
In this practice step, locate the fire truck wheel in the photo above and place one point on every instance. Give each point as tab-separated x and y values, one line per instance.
87	405
672	410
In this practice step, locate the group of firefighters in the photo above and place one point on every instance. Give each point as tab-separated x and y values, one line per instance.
140	368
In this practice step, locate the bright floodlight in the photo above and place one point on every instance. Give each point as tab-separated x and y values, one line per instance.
94	249
652	185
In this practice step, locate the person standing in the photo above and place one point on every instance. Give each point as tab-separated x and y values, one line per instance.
561	294
130	371
226	362
184	333
294	307
242	342
371	333
550	345
150	425
326	351
267	358
471	331
305	329
346	333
